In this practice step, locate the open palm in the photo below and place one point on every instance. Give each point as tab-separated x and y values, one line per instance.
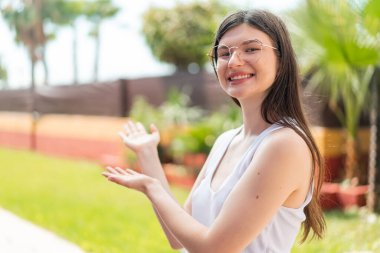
137	138
127	178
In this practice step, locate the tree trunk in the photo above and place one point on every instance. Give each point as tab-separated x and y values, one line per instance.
351	162
46	69
97	52
32	67
377	168
32	105
377	164
373	202
75	54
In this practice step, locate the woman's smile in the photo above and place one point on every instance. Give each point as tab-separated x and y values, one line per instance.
239	76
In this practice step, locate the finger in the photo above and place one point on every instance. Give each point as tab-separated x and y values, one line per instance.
127	129
112	171
132	172
126	140
120	170
106	174
119	180
154	130
140	127
131	126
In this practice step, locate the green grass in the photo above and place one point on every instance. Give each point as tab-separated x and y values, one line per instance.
72	199
346	232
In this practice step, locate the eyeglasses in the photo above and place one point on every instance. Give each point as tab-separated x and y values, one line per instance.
247	50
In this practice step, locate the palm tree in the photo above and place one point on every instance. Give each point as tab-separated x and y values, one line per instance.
28	29
336	51
27	22
96	12
28	19
65	13
371	14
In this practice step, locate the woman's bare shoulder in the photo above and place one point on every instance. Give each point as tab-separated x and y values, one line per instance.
286	139
285	148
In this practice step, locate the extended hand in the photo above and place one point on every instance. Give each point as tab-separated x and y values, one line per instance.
136	137
128	178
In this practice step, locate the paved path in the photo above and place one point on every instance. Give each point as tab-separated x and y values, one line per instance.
20	236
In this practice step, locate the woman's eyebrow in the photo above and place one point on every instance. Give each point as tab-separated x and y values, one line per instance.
243	43
249	41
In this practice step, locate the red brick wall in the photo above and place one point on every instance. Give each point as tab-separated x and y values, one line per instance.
82	137
95	138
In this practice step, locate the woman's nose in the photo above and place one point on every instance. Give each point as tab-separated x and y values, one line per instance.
235	59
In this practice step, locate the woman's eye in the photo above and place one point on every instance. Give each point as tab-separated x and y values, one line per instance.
251	50
224	54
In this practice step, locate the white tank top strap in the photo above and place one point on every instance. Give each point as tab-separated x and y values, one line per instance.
221	145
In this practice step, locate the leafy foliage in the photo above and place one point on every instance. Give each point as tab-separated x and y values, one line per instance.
27	22
339	54
3	73
200	136
371	15
65	12
174	112
183	35
184	128
96	12
35	22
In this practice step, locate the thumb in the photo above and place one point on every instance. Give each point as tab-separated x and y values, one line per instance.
154	130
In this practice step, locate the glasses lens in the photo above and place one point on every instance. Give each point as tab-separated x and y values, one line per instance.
251	47
223	52
251	50
248	50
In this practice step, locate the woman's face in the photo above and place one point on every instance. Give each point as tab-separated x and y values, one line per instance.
247	63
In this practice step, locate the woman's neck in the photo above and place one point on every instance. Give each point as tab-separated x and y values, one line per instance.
253	121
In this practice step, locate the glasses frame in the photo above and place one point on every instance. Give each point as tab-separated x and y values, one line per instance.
216	58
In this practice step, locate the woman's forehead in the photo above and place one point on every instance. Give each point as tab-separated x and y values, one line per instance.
243	32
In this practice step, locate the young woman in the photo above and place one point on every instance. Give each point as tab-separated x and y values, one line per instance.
262	180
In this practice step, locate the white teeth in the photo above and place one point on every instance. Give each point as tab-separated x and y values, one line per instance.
240	77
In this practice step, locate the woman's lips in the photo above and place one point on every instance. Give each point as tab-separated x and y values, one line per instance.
239	78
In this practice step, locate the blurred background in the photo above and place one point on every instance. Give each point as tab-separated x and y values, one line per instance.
72	72
120	38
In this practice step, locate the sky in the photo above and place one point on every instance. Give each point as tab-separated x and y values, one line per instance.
124	52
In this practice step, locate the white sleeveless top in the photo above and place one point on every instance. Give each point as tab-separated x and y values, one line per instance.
279	235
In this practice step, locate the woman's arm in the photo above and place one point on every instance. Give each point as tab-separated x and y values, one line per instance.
267	184
144	144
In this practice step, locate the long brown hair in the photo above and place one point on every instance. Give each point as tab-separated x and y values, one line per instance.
282	105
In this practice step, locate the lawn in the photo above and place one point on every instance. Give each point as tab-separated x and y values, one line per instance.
349	232
72	199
